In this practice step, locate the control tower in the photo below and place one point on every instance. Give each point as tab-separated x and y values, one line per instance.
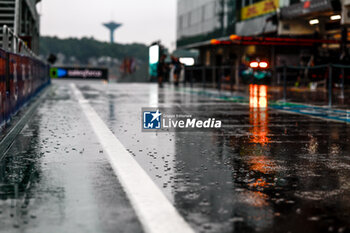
112	26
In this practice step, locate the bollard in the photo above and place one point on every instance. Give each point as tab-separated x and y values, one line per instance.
330	85
189	71
220	71
213	76
191	80
342	83
284	83
203	77
231	80
274	74
188	76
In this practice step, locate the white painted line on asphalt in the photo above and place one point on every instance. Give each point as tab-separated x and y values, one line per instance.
155	212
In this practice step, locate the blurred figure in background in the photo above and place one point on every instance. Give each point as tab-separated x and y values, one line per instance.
177	69
161	70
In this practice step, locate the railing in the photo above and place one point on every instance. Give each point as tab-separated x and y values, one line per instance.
327	75
12	43
211	76
228	77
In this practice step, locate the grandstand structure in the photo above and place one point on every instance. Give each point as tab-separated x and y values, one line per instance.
22	18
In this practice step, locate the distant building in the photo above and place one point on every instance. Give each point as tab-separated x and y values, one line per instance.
202	20
22	17
226	31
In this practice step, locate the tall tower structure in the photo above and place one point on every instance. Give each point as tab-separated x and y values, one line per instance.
112	26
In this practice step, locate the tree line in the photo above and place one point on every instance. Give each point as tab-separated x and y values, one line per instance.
85	48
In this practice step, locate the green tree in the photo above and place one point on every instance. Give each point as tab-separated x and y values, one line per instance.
85	48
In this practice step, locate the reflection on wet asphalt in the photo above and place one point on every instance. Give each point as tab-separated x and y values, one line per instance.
55	178
265	171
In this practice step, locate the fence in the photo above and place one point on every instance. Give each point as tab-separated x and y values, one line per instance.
225	77
22	75
328	75
220	77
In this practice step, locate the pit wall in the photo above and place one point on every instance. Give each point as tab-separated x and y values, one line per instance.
21	78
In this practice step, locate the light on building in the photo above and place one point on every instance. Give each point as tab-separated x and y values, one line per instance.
335	17
187	61
254	64
263	64
234	37
214	42
154	54
314	21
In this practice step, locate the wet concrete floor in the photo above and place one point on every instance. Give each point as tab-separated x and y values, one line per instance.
264	171
55	177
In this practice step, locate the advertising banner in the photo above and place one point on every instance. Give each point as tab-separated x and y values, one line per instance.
79	73
16	81
305	8
260	8
21	77
154	52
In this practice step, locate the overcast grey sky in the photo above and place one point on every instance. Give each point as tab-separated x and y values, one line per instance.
143	20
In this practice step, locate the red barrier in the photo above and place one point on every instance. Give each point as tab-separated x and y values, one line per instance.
3	107
15	81
21	77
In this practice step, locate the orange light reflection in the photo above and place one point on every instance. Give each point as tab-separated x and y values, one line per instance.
258	114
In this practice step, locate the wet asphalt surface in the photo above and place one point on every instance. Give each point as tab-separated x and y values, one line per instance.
264	171
55	177
318	97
